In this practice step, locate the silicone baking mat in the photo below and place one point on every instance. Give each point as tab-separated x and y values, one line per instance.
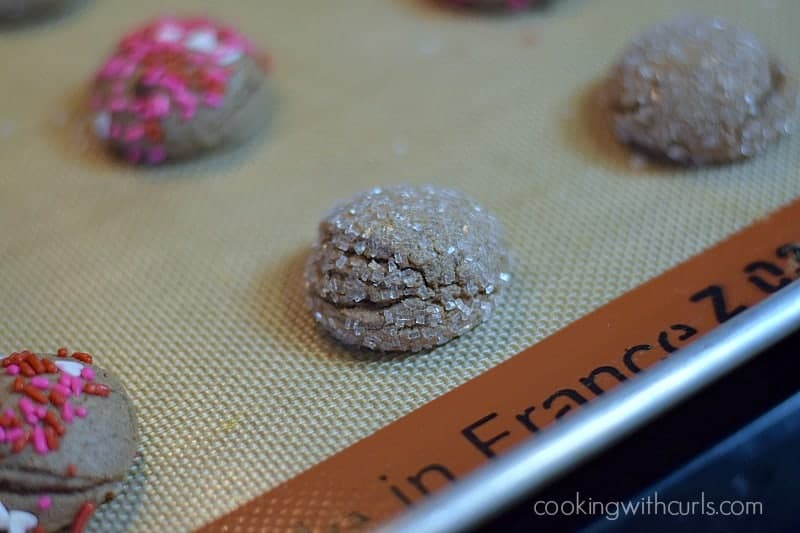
186	280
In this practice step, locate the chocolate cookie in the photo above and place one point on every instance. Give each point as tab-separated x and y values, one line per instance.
177	88
17	9
406	268
700	91
68	437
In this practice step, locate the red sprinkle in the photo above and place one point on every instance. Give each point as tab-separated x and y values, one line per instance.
26	369
51	419
13	359
34	394
83	357
52	438
35	363
72	470
82	518
49	366
56	398
44	430
96	389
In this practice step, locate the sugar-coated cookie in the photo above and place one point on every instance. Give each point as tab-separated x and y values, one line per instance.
406	268
700	91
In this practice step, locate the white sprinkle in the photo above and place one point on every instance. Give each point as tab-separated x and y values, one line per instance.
202	41
169	33
229	56
102	125
16	521
73	368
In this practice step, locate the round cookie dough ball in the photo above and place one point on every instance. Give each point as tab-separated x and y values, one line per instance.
177	88
699	91
18	9
406	268
68	437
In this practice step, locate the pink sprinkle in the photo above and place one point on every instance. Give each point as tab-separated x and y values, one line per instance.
173	84
87	373
25	405
41	411
185	99
80	411
115	132
2	435
67	413
152	76
155	155
76	384
62	389
157	106
14	434
111	68
134	132
64	380
40	382
234	40
12	370
39	441
45	502
118	103
128	69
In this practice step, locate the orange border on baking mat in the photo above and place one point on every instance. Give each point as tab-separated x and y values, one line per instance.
379	476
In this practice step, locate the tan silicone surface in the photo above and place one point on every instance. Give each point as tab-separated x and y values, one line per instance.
186	281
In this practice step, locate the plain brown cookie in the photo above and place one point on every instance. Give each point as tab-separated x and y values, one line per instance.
83	457
406	268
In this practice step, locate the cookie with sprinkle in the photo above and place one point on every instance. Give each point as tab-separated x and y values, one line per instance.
179	87
68	437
